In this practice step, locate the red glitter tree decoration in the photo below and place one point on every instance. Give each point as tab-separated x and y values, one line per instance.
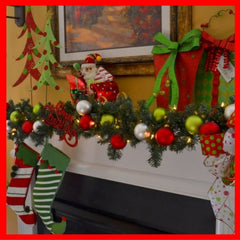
28	27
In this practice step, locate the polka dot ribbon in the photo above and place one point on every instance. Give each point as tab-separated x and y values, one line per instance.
219	192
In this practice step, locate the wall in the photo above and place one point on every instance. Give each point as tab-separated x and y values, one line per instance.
136	87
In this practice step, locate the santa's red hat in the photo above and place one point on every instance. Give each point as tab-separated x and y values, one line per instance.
91	59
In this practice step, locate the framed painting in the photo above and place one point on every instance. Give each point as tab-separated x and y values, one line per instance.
122	35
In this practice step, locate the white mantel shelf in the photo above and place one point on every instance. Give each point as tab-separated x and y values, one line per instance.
182	173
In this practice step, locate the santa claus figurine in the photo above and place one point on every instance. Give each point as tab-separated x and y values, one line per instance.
98	80
89	68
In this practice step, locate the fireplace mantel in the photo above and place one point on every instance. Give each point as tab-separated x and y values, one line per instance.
182	174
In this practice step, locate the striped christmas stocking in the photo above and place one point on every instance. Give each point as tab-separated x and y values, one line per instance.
53	164
26	160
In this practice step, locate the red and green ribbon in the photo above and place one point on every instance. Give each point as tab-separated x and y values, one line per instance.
191	41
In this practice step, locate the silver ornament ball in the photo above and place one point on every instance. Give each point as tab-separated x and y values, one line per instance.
83	107
140	131
229	110
37	124
9	129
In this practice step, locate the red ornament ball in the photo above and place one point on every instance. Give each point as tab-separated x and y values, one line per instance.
85	122
117	142
27	127
209	128
164	136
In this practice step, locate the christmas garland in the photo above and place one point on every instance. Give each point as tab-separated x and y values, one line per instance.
115	123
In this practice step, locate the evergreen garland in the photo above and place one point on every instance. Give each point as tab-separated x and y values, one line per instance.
125	120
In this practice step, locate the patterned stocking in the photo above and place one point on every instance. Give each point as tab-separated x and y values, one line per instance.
25	162
53	164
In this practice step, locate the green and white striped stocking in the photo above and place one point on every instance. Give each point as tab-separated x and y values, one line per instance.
53	164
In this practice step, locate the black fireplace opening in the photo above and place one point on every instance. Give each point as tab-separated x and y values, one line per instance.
98	206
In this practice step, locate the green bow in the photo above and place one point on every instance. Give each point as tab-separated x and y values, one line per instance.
190	41
76	92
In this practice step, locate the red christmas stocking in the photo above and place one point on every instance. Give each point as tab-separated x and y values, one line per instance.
26	160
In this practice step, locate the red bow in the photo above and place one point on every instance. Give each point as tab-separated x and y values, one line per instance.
215	48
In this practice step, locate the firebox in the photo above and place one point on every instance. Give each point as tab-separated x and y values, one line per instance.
98	206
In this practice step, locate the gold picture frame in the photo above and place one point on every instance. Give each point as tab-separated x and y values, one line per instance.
180	22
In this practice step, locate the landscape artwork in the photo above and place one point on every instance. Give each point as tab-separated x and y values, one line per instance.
90	28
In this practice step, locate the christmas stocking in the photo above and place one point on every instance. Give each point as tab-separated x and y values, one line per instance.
25	162
53	164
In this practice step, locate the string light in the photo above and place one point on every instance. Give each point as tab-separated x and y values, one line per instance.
152	136
92	123
189	140
147	134
222	104
13	132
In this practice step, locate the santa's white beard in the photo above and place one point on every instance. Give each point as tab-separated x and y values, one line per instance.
89	75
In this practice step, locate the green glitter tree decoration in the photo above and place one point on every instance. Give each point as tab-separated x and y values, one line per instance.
48	40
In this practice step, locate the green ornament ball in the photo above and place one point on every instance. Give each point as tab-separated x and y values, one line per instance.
106	118
193	124
15	116
159	113
37	108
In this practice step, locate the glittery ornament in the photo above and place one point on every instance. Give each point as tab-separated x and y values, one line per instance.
117	142
85	122
36	125
83	107
229	110
159	113
27	127
193	124
209	128
15	116
164	136
37	108
106	118
140	131
8	128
